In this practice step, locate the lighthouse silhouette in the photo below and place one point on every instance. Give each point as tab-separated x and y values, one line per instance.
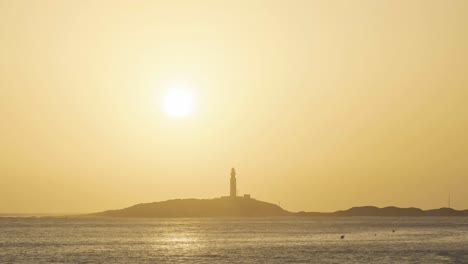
233	190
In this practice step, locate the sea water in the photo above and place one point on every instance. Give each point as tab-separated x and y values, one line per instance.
234	240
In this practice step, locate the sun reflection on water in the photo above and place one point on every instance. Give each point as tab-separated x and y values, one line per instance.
179	243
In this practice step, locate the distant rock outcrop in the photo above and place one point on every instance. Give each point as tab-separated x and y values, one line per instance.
219	207
386	211
390	211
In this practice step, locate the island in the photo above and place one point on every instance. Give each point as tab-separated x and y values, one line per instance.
242	207
245	206
218	207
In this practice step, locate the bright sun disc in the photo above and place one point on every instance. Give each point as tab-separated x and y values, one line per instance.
178	102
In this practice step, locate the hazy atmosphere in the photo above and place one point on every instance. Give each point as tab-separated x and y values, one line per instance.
319	105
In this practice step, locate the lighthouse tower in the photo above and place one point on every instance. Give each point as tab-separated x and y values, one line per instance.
233	192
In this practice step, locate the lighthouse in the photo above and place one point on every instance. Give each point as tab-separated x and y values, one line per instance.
233	190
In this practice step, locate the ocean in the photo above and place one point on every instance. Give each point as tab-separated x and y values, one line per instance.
234	240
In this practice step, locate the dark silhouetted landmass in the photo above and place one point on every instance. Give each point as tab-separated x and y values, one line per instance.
390	211
219	207
242	207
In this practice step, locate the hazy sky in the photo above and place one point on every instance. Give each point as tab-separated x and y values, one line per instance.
321	105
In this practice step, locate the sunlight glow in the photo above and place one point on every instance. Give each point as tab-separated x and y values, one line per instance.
178	102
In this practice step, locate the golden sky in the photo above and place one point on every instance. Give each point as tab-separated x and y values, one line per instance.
321	105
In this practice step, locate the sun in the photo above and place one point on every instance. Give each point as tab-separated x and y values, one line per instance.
178	102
